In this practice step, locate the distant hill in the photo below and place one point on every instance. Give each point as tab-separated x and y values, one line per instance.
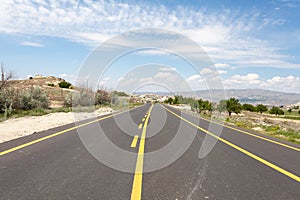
253	96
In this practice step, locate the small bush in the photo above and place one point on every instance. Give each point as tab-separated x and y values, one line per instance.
34	98
102	97
8	111
9	98
64	84
80	98
12	99
51	84
272	128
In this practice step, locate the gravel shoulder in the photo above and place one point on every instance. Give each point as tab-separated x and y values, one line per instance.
19	127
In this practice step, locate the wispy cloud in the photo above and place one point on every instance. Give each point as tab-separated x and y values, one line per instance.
31	44
227	36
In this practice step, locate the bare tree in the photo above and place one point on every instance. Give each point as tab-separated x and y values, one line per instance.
5	77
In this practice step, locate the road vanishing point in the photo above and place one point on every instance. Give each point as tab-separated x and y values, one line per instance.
54	164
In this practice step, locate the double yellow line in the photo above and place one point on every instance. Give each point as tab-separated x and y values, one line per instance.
136	192
265	162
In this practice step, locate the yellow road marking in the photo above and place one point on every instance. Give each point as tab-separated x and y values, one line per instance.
248	133
140	126
143	119
134	141
145	115
136	192
267	163
56	134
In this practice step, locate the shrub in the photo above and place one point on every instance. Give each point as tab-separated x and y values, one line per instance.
34	98
51	84
80	98
64	84
12	99
7	111
248	107
9	98
102	97
272	128
276	111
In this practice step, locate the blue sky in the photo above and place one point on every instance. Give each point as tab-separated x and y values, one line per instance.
253	44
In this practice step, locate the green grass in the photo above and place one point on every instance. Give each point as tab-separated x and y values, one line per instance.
273	130
292	117
290	135
244	124
294	112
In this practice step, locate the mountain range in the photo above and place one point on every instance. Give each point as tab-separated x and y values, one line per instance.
253	96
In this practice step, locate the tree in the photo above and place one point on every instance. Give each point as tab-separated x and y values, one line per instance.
276	111
248	107
204	105
261	108
233	105
64	84
176	101
289	110
5	77
222	106
194	105
200	105
120	94
209	106
169	101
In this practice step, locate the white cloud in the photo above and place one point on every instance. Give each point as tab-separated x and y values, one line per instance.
222	71
227	35
251	80
156	76
240	81
68	77
222	65
206	71
106	82
167	69
31	44
193	77
152	52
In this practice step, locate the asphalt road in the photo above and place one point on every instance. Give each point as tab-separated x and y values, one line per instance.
156	157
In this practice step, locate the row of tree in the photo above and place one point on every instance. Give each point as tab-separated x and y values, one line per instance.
231	105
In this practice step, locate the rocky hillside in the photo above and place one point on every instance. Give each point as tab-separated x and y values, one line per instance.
49	84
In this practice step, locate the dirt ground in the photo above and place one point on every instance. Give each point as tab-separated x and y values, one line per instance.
19	127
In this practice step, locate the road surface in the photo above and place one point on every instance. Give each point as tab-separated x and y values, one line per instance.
55	164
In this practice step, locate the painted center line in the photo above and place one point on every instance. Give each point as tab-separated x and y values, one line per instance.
136	193
134	141
140	126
